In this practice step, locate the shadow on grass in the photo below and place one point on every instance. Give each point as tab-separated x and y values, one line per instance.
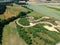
2	9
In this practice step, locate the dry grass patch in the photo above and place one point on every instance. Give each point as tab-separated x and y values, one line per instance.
13	11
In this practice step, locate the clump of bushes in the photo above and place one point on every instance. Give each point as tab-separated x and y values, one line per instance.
34	31
24	35
24	21
43	30
36	18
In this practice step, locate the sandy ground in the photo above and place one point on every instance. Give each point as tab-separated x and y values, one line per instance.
50	28
58	43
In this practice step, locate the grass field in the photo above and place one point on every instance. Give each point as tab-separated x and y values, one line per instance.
45	10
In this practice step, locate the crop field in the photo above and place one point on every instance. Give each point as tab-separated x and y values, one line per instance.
57	8
45	10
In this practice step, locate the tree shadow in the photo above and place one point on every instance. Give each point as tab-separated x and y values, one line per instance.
2	9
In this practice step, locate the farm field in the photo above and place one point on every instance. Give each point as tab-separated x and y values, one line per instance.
45	10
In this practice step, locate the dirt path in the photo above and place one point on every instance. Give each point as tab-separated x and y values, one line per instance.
45	22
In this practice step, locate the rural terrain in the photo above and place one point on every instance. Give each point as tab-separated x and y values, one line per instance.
30	24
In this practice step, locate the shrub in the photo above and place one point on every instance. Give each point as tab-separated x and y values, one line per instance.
23	14
24	36
24	21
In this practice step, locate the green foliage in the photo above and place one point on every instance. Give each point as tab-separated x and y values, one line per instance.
50	33
24	21
23	14
36	18
34	31
24	35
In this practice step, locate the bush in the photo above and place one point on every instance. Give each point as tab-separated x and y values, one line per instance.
24	21
33	31
43	30
24	35
23	14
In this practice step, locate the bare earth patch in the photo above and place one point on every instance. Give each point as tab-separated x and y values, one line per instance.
50	28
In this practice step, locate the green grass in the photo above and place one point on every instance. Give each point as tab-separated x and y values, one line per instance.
24	35
43	30
34	30
24	21
35	14
45	11
54	8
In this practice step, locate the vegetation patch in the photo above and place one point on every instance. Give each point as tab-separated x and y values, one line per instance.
24	21
54	8
39	29
24	35
43	30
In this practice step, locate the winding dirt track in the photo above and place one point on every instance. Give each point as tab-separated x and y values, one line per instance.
44	22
